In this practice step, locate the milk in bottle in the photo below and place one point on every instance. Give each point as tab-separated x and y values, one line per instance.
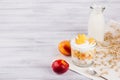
96	23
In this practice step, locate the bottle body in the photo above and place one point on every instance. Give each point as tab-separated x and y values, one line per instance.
96	24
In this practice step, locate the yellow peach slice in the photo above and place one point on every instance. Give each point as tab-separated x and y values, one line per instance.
91	40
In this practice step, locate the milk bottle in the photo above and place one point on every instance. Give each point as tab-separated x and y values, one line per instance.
96	23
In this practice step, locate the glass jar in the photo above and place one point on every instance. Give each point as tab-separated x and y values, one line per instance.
82	55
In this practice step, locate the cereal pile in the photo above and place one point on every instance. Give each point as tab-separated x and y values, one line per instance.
109	50
112	42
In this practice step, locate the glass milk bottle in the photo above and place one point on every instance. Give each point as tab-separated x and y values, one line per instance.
96	23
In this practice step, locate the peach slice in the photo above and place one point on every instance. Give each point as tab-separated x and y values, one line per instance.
91	40
81	38
64	47
82	56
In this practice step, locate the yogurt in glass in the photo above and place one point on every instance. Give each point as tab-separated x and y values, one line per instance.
82	54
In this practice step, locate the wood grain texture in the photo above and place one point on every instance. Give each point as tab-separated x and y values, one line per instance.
31	29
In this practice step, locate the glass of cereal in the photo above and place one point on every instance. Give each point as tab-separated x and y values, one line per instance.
83	50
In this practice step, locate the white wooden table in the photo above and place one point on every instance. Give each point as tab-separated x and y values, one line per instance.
30	31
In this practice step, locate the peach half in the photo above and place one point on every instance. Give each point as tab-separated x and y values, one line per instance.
65	48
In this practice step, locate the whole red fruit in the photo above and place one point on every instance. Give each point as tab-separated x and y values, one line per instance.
60	66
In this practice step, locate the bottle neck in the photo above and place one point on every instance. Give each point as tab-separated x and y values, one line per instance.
97	9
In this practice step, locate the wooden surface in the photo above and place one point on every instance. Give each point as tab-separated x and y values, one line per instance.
31	29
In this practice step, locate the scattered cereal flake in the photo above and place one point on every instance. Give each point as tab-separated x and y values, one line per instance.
117	69
102	62
105	65
112	67
110	62
104	72
101	69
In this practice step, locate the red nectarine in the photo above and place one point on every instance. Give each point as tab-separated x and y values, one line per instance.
60	66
